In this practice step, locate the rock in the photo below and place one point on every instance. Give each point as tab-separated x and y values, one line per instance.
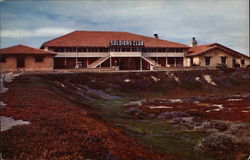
151	116
179	114
189	120
134	111
191	99
220	126
127	80
176	120
9	77
2	104
173	114
165	115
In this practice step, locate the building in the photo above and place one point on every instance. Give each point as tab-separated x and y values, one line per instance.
211	55
119	50
24	58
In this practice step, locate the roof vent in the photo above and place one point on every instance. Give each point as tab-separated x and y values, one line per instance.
193	43
156	36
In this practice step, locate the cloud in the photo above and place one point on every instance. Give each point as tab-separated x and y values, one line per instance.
225	22
40	32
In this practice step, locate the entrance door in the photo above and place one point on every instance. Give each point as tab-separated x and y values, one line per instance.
20	61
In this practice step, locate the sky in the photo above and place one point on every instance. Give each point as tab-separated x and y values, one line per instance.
36	21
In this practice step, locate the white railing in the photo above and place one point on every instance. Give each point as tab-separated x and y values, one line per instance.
163	54
98	62
125	54
82	54
151	61
120	54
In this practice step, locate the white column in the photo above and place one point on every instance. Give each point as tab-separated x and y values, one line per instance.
166	61
175	61
77	59
140	63
65	62
87	62
110	62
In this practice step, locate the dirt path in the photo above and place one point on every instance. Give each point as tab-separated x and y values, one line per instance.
60	129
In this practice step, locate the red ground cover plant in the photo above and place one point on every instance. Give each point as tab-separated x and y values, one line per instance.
61	129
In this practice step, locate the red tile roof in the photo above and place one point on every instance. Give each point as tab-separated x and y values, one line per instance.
202	49
21	49
103	38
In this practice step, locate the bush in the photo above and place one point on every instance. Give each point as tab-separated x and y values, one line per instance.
217	143
222	67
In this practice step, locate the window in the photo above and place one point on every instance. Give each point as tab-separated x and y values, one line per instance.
103	49
81	49
170	50
2	58
70	49
61	50
38	58
207	61
117	49
234	62
134	50
242	61
93	50
20	61
223	60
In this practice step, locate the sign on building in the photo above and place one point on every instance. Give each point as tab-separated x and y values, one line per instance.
126	43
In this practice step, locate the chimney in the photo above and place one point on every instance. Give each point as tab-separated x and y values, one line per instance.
156	35
193	43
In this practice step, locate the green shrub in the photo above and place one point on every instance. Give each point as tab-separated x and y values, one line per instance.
222	67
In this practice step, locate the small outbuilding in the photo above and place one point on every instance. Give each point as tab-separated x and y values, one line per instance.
212	55
24	58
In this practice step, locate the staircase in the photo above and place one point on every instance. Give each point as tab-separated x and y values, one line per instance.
98	62
151	61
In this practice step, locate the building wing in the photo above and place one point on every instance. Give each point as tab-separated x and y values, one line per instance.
22	49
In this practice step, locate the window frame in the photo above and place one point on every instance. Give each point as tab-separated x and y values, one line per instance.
221	60
209	60
39	59
242	60
2	58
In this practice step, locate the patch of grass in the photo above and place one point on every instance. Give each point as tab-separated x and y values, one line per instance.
167	138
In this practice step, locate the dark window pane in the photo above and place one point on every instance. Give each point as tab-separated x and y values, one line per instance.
207	61
38	58
2	58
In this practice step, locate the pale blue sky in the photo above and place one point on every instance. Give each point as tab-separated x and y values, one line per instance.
34	22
